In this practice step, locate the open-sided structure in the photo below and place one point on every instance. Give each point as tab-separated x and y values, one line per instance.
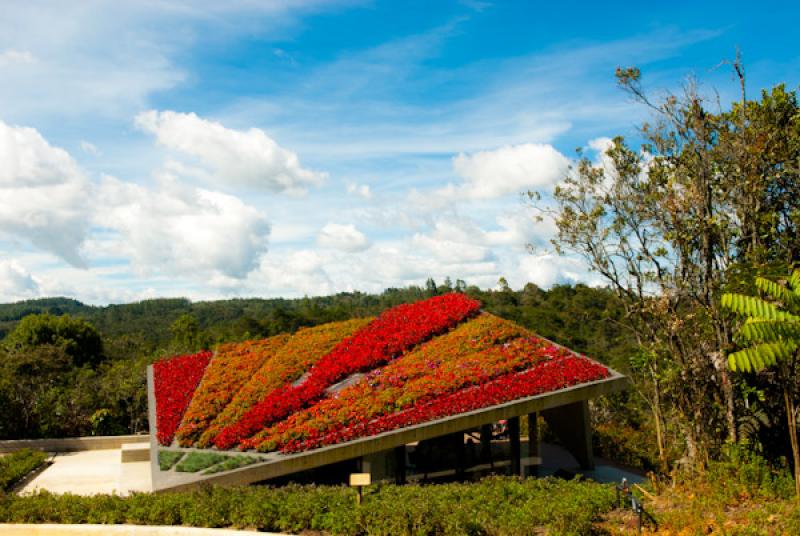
363	389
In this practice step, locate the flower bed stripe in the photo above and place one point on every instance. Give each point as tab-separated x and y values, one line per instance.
549	375
290	362
388	336
230	368
174	382
473	352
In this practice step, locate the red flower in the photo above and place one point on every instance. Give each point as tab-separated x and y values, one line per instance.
175	381
385	338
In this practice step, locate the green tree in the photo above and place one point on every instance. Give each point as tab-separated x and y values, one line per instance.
771	336
185	333
708	197
78	338
430	287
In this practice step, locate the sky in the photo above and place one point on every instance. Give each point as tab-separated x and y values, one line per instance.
205	149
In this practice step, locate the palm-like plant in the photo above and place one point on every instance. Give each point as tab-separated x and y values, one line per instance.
770	337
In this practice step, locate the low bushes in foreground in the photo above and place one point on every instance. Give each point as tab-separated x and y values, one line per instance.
493	506
15	466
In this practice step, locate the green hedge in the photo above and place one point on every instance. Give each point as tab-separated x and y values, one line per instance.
497	506
14	466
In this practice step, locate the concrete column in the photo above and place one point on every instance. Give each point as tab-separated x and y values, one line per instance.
516	451
572	424
533	441
400	464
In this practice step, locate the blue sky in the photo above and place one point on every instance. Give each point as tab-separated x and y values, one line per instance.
304	147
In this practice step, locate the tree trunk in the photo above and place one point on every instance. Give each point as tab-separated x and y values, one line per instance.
792	422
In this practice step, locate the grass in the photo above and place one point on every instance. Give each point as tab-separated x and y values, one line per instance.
741	495
17	465
197	461
233	462
168	458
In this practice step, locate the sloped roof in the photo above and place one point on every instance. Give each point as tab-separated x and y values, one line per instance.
351	381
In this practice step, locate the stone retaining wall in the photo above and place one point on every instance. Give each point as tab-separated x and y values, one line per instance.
72	444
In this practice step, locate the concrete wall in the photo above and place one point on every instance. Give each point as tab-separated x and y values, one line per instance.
72	444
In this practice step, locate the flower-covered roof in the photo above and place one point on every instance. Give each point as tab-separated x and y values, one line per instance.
346	380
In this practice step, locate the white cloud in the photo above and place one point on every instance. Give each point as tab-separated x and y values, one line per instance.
15	282
44	194
181	230
510	170
238	158
361	190
16	57
90	148
454	241
342	237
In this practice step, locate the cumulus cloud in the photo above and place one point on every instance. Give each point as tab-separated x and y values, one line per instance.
510	169
44	194
293	273
239	158
454	241
182	230
15	282
342	237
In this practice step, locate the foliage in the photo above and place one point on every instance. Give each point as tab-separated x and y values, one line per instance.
197	461
17	465
168	458
772	331
707	198
79	339
500	506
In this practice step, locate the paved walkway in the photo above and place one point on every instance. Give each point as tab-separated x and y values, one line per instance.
91	472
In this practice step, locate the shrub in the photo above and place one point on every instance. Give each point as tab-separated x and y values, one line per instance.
17	465
498	506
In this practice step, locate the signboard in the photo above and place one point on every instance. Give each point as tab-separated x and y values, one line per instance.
360	479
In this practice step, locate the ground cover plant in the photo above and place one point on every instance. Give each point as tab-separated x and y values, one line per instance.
232	462
385	338
197	461
288	364
17	465
474	366
175	381
231	367
499	506
168	458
